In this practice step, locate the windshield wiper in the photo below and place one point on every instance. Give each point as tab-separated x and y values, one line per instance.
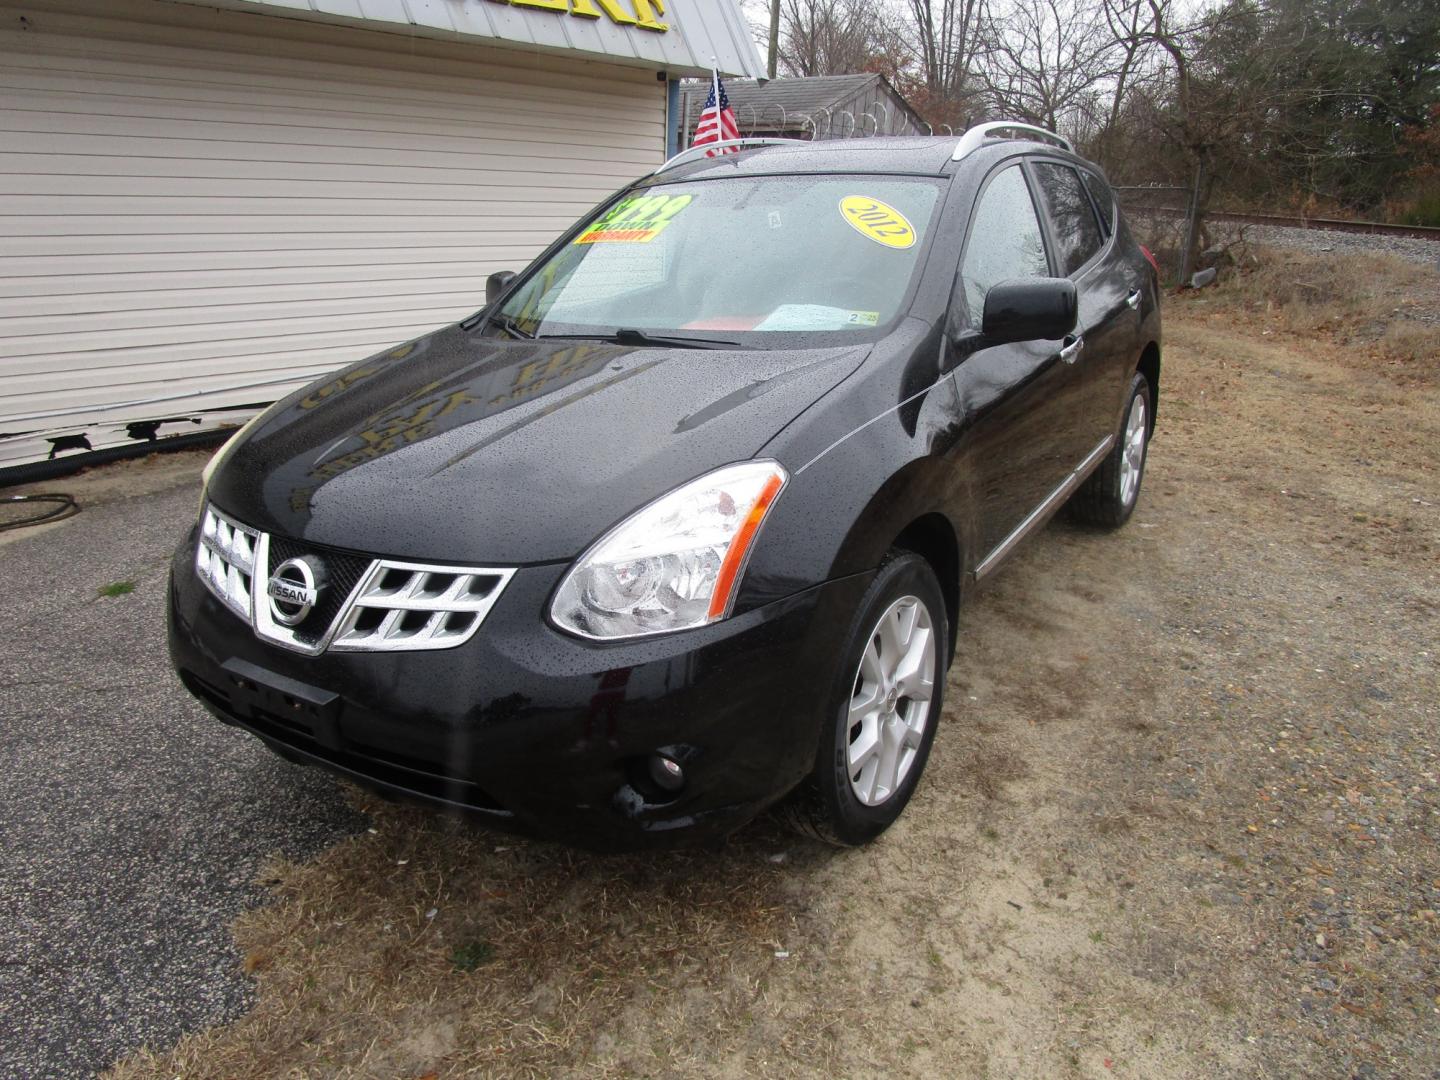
510	326
629	336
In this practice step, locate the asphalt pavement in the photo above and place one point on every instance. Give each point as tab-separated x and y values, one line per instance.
132	824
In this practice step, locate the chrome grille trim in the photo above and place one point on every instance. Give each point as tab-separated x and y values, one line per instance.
396	606
270	629
225	560
401	606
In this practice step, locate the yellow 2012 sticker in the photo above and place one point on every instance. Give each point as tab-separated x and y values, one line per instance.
636	220
878	221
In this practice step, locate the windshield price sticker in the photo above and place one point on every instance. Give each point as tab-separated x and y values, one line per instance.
635	220
878	221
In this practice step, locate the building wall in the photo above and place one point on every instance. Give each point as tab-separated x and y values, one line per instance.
891	115
201	210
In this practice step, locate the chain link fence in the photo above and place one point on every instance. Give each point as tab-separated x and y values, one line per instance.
1162	217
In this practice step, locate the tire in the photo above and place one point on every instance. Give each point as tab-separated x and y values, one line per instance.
850	797
1108	496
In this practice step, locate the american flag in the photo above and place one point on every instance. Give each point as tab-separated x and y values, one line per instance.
717	120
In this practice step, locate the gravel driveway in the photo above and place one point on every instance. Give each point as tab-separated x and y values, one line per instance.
132	825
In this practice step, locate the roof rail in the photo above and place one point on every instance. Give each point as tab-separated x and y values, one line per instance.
975	137
739	144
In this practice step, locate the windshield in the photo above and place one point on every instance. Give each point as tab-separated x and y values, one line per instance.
760	255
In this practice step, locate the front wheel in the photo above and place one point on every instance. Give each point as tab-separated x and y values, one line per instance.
884	707
1108	497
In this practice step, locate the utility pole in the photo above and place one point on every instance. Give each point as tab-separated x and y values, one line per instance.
774	35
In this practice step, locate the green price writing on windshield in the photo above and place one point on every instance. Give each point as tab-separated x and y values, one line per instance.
635	220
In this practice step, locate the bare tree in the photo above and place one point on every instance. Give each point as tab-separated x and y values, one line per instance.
946	40
1131	25
836	37
1221	85
1046	61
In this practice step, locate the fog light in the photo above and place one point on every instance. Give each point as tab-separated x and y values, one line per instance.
666	773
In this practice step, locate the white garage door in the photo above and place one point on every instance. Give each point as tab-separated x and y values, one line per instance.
203	210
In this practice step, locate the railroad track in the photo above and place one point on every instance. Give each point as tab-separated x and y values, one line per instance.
1373	228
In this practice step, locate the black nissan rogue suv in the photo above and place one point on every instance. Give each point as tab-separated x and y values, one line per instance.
680	524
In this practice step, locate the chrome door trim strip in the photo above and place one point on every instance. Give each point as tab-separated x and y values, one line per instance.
1048	506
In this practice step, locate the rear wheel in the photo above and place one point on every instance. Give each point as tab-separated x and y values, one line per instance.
1109	496
884	707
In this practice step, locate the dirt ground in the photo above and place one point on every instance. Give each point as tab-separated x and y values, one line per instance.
115	482
1180	820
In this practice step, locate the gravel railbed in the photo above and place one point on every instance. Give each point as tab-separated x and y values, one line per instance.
1163	230
1322	241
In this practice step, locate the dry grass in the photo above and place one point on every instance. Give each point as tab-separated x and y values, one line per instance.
1413	344
433	946
1318	291
1386	310
990	769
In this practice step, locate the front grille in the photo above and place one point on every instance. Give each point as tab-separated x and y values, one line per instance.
344	571
415	606
225	560
360	604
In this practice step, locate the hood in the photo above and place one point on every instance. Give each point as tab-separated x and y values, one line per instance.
462	448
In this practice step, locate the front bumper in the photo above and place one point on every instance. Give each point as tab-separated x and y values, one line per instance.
529	728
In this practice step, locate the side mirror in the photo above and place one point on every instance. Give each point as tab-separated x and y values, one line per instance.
1029	309
497	283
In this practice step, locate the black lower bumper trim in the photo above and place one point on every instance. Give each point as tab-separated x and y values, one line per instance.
383	773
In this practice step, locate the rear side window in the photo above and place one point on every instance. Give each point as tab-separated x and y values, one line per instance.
1005	241
1077	233
1104	199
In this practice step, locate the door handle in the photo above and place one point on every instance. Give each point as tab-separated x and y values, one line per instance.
1071	352
1134	299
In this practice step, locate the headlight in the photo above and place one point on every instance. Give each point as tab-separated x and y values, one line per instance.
676	563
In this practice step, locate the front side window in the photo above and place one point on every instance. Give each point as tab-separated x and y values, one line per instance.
1005	241
758	255
1077	233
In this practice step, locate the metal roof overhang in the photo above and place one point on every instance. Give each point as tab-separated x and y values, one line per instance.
699	33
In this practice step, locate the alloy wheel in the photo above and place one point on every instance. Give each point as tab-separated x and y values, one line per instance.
890	704
1132	454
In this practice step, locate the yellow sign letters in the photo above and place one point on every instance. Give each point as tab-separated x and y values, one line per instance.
646	14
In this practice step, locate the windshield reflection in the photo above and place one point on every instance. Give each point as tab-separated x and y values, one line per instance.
761	255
